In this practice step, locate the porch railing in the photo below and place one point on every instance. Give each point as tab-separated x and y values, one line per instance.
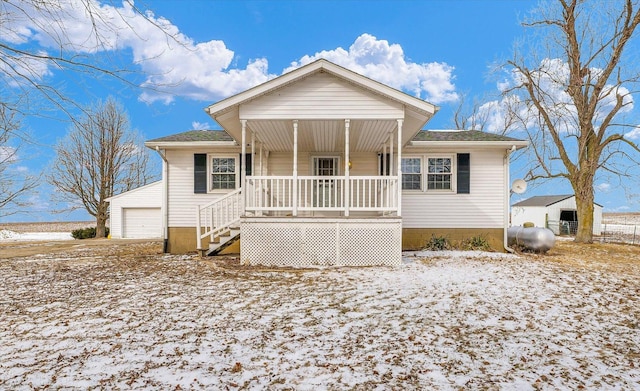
217	216
321	193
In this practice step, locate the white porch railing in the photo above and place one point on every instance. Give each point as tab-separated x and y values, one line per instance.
217	216
322	193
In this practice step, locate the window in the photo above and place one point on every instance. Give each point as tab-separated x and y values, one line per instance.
439	173
223	173
412	173
213	172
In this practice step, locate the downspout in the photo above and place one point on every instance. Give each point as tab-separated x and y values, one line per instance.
506	198
165	199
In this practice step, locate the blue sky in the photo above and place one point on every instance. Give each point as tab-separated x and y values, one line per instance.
437	49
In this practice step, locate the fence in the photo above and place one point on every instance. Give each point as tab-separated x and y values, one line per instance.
610	232
620	233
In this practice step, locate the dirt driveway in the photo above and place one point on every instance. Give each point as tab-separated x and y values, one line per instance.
18	249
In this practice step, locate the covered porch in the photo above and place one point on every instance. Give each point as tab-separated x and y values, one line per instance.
304	198
325	168
318	180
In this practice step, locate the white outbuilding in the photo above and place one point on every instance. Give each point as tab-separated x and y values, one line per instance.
137	214
556	212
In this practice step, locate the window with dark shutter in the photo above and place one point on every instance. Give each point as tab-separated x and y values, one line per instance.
199	173
464	173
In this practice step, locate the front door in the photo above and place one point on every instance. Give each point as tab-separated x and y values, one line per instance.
325	191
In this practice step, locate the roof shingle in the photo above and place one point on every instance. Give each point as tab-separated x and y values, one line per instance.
195	135
460	135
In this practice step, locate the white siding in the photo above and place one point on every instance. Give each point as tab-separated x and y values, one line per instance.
321	96
149	196
597	220
182	199
532	214
542	216
362	163
483	208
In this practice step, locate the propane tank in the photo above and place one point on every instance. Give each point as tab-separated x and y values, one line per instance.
531	238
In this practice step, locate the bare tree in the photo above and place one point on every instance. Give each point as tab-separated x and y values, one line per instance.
86	51
100	157
571	92
16	185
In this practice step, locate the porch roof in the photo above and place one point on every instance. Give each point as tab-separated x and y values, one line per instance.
221	137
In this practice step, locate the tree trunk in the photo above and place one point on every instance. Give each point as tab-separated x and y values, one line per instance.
584	207
101	224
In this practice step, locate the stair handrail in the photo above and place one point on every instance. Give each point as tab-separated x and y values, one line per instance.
218	215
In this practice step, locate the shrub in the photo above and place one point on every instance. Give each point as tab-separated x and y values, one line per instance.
86	233
479	243
438	243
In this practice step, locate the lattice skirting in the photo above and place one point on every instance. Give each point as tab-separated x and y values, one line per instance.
324	242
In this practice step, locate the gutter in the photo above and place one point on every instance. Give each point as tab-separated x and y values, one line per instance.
165	199
507	195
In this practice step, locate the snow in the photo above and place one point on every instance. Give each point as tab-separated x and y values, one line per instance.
12	236
442	320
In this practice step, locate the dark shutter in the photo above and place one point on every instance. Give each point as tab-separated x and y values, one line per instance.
248	162
464	173
380	160
200	173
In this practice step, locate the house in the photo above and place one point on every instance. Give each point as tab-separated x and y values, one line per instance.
556	212
137	213
325	166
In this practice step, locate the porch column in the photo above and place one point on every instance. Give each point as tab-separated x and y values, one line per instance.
390	153
399	213
384	160
347	185
243	171
243	161
253	153
295	168
261	148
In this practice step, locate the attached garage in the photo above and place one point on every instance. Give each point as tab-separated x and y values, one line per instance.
137	214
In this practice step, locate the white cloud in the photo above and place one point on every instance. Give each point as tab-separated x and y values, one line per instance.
623	208
552	77
195	125
634	134
176	65
603	187
7	154
386	63
193	70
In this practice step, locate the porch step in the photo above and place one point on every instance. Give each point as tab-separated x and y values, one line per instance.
222	241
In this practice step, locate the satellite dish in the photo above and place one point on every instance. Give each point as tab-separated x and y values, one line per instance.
519	186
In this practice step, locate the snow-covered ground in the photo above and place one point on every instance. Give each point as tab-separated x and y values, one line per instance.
12	236
448	320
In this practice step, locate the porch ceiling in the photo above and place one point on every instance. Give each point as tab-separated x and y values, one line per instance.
323	135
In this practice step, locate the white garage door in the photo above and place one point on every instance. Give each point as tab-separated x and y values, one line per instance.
141	223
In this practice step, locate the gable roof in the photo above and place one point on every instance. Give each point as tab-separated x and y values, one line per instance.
321	65
229	112
543	200
149	186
